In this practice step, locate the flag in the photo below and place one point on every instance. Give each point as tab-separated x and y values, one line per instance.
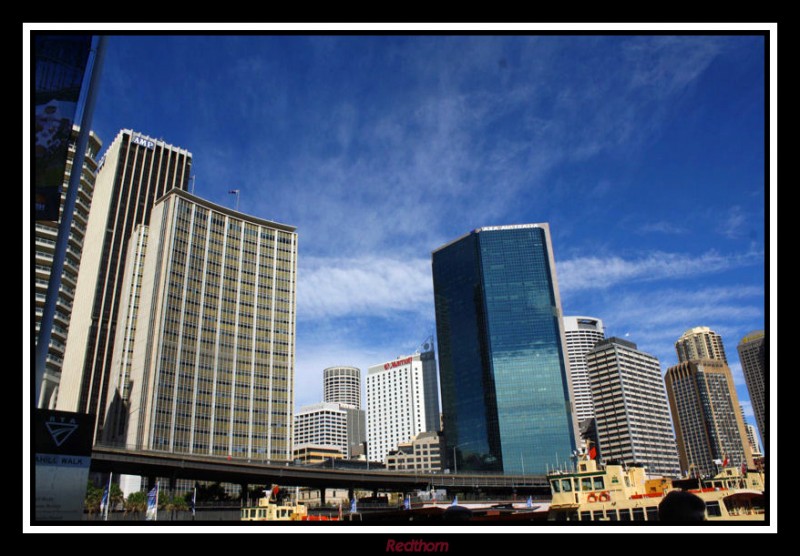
726	462
744	468
455	501
529	503
407	503
353	506
104	500
233	192
592	452
152	504
718	461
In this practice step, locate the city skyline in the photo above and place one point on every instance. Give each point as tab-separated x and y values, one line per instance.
645	158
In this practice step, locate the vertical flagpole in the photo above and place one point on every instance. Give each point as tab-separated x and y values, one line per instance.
108	501
60	251
158	492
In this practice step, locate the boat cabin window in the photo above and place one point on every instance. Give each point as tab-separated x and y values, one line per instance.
556	485
262	513
652	513
566	485
586	516
638	514
611	515
713	509
586	483
625	515
598	483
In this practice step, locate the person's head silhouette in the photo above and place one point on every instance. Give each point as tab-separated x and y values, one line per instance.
680	505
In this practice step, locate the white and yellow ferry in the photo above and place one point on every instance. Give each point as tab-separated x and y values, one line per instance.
625	494
269	508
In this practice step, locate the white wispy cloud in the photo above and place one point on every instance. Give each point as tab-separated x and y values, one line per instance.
586	273
654	319
662	227
369	285
734	223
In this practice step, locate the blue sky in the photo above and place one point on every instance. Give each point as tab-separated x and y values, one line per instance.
644	153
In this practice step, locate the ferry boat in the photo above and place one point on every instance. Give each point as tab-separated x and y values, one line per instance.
275	507
268	509
623	493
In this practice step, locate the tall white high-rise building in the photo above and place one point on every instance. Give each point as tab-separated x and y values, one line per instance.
631	407
402	401
203	358
753	357
135	171
700	342
342	385
582	335
46	237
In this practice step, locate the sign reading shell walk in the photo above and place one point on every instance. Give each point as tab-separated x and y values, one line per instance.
63	442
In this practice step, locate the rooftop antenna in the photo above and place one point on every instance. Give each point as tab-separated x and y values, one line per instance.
426	345
235	192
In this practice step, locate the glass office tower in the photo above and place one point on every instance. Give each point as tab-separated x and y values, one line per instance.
502	359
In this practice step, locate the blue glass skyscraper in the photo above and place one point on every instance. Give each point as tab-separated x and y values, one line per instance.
502	359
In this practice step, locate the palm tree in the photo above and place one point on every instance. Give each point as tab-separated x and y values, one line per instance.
93	498
136	503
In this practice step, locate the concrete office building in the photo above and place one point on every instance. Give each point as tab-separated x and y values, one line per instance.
705	411
204	351
46	235
753	357
582	334
135	171
700	343
506	392
631	409
322	424
342	385
423	453
402	401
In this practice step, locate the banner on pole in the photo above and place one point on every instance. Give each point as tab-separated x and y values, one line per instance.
60	63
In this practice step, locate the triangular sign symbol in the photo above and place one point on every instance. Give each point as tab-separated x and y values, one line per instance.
61	431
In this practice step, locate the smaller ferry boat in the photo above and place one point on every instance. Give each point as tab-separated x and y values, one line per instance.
268	509
624	493
276	507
